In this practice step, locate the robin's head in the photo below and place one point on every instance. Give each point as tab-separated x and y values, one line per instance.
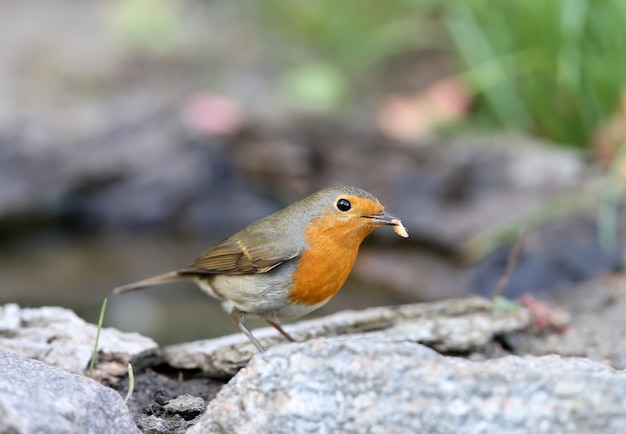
348	212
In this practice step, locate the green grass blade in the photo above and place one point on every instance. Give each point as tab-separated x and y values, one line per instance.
95	346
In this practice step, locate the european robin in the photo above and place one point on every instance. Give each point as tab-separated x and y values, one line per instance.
289	263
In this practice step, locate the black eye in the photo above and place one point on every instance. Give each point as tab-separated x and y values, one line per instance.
343	205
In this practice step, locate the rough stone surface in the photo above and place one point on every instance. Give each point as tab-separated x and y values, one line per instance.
58	337
361	384
449	326
186	405
40	399
152	424
598	327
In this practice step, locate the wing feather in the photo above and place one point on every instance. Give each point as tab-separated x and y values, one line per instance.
232	256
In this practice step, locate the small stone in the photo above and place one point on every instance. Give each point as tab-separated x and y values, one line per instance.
186	405
152	424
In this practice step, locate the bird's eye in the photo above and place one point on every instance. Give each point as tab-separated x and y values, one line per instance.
343	205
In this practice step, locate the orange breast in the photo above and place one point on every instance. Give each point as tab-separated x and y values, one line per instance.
323	268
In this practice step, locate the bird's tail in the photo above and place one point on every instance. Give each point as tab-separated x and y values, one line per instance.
150	281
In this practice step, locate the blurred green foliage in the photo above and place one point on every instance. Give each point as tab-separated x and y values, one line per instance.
319	86
147	26
352	34
552	68
338	41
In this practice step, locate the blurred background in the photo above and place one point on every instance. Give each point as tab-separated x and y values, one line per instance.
134	134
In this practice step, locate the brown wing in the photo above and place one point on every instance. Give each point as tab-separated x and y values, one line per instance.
232	256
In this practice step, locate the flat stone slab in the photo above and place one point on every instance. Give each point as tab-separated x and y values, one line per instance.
448	326
366	384
60	338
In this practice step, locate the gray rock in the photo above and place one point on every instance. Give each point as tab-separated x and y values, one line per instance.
361	384
457	325
156	425
587	335
186	405
40	399
58	337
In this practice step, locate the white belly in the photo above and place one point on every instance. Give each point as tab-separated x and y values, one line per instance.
262	295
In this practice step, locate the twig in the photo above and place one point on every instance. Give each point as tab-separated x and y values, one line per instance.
511	263
479	246
609	207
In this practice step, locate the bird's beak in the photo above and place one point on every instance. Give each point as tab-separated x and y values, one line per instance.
384	218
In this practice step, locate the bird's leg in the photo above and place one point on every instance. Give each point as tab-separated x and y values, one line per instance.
280	330
238	318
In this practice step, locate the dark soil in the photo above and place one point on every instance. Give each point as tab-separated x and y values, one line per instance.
155	387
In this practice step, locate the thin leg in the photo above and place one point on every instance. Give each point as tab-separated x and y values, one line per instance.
238	318
280	330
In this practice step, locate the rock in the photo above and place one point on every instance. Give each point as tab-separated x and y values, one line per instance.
40	399
365	384
587	336
58	337
186	405
449	326
174	186
9	318
451	193
155	425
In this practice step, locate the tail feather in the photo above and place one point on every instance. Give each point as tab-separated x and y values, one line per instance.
150	281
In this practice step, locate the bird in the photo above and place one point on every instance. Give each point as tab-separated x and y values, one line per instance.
289	263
